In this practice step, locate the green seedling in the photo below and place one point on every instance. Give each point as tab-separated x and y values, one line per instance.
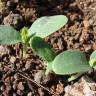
70	62
24	38
42	27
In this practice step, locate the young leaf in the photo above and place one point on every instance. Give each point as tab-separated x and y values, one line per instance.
70	62
9	35
24	32
92	61
42	49
46	25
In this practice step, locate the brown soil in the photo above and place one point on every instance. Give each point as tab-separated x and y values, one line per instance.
17	76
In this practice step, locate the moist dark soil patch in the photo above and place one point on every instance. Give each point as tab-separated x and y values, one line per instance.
79	34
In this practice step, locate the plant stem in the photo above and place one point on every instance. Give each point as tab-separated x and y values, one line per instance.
24	50
73	77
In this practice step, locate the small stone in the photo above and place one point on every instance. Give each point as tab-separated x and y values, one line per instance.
16	1
47	78
3	8
3	50
14	86
8	79
14	94
18	65
20	86
86	24
91	21
13	59
28	65
38	76
60	44
29	94
16	76
8	87
15	20
5	93
20	92
84	87
60	89
2	88
40	91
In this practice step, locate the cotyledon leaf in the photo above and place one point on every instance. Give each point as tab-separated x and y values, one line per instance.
42	49
47	25
92	61
70	62
9	35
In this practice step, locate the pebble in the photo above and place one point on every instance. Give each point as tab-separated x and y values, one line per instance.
14	86
14	94
60	88
38	76
86	24
20	86
18	65
84	87
3	50
15	20
15	76
40	91
91	21
3	8
5	93
28	65
13	59
29	94
20	93
2	88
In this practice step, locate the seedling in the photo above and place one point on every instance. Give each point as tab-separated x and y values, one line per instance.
68	62
42	27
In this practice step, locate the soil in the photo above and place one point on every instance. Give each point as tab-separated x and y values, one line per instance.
25	77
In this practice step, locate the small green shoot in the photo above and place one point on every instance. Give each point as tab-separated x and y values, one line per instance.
42	27
24	38
70	62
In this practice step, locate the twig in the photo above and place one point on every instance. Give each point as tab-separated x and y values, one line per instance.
26	77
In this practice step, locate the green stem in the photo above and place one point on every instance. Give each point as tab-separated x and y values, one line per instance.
73	77
24	50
